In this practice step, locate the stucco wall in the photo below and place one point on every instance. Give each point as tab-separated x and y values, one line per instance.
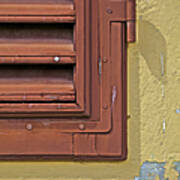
154	100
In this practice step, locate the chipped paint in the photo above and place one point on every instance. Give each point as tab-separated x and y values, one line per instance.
164	126
114	94
154	170
100	67
178	111
177	168
151	170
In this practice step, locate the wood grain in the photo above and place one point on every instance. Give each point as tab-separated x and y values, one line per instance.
37	60
31	7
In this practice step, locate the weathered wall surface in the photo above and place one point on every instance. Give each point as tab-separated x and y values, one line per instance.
154	106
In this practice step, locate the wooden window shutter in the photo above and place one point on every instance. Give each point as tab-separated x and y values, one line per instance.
63	79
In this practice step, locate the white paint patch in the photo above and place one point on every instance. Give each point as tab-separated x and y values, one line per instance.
164	126
114	94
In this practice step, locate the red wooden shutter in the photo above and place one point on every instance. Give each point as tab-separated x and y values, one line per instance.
63	80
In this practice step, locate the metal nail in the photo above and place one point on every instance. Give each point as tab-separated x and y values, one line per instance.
109	11
29	127
56	59
82	127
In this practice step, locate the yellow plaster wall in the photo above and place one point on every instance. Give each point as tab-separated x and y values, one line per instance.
154	96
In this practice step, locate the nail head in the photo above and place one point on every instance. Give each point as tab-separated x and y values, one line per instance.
82	127
109	11
29	127
56	59
105	60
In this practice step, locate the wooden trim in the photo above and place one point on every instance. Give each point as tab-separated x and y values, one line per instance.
31	9
37	97
36	49
38	19
37	60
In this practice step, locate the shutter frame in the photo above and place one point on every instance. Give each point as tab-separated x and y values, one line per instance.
95	127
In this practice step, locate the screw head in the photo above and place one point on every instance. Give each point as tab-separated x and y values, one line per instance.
105	60
109	11
82	127
56	59
29	126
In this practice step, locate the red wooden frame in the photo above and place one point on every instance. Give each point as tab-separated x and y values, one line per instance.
45	54
95	126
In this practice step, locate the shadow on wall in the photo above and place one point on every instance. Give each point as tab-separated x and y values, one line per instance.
152	46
